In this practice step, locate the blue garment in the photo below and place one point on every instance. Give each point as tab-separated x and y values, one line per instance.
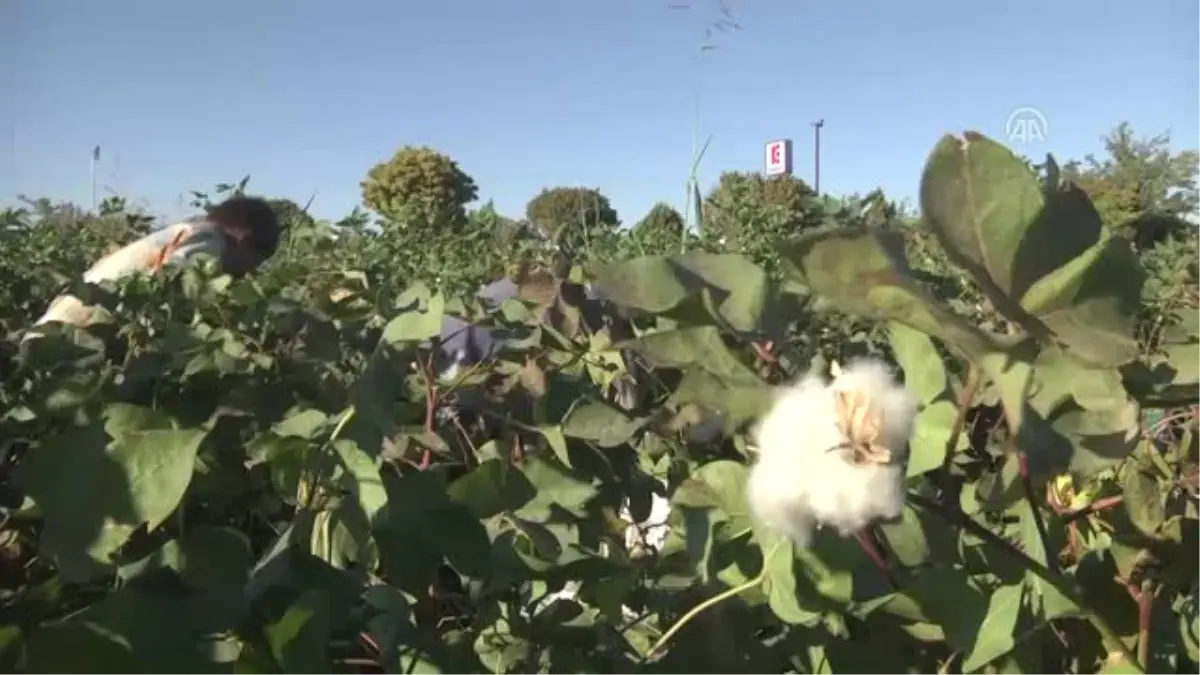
464	344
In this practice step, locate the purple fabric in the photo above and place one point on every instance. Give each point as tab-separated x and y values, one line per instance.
465	344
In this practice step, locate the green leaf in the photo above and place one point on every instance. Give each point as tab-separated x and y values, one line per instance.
79	647
713	504
557	441
1011	372
864	272
206	557
491	488
1081	419
416	325
300	638
1189	628
714	377
1048	601
1038	253
1167	379
601	422
719	485
658	284
498	649
988	210
97	484
1091	303
363	470
779	578
301	424
925	376
995	637
553	486
1144	500
906	538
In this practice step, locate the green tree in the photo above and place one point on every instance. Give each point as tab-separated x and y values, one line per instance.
1140	185
749	212
418	188
660	231
571	216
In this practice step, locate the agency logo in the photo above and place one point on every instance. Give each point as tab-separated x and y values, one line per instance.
1027	125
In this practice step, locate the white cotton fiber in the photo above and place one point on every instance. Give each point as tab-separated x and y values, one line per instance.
801	480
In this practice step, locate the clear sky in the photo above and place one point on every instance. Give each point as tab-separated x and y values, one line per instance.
306	95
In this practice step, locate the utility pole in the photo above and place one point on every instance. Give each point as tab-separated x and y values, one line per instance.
95	159
817	155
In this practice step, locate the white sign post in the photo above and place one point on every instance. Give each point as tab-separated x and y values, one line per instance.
779	157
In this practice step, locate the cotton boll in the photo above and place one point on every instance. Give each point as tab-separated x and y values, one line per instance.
852	496
792	435
897	404
776	502
800	423
849	497
804	475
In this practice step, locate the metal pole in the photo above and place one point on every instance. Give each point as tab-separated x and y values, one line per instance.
95	158
817	156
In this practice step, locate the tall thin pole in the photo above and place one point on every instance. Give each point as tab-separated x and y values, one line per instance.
95	158
817	155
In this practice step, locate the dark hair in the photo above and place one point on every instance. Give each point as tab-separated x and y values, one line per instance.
251	220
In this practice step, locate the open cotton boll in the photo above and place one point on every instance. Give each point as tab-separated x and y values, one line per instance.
897	405
805	474
789	438
852	495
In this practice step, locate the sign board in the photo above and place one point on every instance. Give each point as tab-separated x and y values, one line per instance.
779	157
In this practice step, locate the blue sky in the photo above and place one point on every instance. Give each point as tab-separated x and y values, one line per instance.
306	96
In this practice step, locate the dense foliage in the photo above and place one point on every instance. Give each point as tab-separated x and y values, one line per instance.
419	188
259	475
660	231
572	217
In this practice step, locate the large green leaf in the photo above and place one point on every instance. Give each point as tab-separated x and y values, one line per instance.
864	272
1037	252
96	484
925	376
1085	421
739	290
714	377
989	211
1091	303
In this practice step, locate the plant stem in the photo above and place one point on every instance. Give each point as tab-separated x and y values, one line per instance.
1038	521
1056	579
1102	504
723	595
965	398
314	473
1145	603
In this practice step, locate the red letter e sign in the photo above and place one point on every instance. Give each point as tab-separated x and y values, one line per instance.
779	157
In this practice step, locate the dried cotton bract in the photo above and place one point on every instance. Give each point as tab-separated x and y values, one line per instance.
832	453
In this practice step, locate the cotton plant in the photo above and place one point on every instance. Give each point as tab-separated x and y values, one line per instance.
832	453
